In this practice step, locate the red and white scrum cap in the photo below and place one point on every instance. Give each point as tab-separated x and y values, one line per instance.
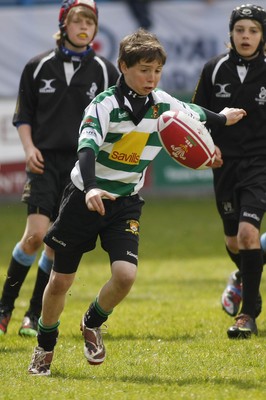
68	4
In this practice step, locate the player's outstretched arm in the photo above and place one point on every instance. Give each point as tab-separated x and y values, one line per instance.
233	115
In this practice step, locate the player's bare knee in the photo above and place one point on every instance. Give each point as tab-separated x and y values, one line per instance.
60	283
247	241
124	274
248	236
126	280
32	242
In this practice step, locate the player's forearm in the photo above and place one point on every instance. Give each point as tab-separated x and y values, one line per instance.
87	168
25	135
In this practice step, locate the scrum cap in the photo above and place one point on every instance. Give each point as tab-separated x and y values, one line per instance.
249	11
68	4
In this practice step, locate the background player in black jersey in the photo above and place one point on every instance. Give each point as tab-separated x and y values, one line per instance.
54	90
237	79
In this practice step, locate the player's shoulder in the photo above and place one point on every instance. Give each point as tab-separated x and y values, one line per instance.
218	59
41	57
161	95
106	95
100	58
107	66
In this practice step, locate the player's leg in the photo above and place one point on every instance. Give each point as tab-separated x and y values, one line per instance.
251	271
23	256
30	321
232	295
225	180
74	229
48	193
119	285
52	307
252	205
120	239
112	293
54	297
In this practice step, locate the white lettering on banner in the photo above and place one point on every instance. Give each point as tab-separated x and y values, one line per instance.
8	134
12	164
11	149
184	63
176	175
175	79
189	49
13	180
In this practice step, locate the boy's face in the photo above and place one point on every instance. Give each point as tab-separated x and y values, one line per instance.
247	35
142	77
80	30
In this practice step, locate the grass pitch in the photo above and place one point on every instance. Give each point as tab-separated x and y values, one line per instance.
166	340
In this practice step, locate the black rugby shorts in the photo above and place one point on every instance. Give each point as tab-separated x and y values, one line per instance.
77	229
43	192
240	190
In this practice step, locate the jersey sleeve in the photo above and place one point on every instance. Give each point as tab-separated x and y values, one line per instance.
203	93
94	127
26	100
86	158
203	90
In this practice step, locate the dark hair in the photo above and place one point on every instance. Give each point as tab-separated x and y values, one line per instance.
141	45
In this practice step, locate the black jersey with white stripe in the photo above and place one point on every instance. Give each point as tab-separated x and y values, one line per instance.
229	81
54	91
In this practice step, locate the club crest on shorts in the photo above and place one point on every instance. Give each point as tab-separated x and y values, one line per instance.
133	226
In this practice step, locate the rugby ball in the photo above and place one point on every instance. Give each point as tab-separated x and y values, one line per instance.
186	140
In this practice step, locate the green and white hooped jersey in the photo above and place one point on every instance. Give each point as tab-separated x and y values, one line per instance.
123	150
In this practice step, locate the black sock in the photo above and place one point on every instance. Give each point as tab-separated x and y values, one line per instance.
16	275
95	316
251	266
47	336
36	298
236	258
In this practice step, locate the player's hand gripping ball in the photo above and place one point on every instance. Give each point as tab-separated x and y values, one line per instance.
186	140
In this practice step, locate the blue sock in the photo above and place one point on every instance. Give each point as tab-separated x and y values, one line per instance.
263	242
23	258
45	263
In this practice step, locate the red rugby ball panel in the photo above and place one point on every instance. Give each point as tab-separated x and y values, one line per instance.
186	140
